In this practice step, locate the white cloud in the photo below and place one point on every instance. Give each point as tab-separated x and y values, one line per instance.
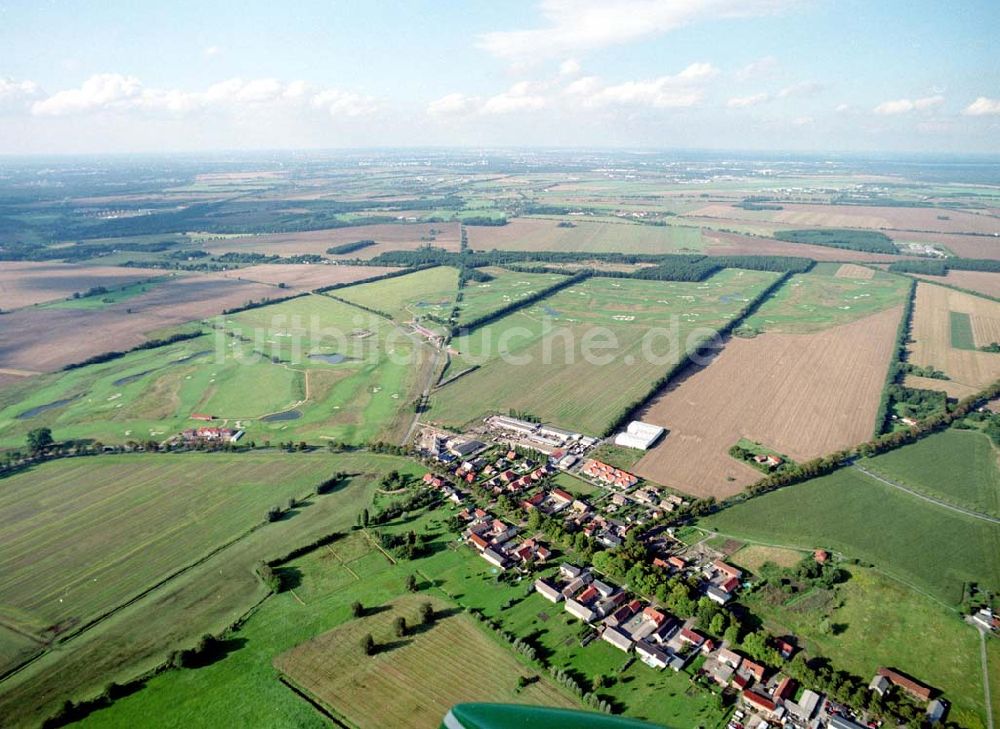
806	88
104	90
580	25
680	90
522	96
454	105
111	92
760	67
983	106
904	106
212	51
15	94
843	108
741	102
583	86
802	121
569	67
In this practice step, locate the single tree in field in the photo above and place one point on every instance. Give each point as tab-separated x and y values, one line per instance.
367	644
399	626
426	613
357	609
39	439
411	583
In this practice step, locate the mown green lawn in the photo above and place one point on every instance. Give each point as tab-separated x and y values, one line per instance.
431	291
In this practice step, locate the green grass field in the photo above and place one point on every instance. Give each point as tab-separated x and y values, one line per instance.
818	300
506	288
961	330
957	466
534	360
932	548
151	394
874	621
415	295
60	566
207	598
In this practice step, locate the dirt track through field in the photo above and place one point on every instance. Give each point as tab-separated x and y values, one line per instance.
931	334
803	395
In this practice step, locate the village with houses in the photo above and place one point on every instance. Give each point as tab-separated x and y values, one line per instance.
519	461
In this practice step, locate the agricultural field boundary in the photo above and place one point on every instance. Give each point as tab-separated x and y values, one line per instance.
895	372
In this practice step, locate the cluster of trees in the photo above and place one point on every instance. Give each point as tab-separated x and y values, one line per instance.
399	507
871	241
407	546
258	258
808	573
915	403
151	344
344	248
484	220
926	267
926	371
895	372
941	267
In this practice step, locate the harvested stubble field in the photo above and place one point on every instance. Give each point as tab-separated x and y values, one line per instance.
533	360
544	234
814	301
753	556
935	220
801	394
23	283
387	237
358	392
307	276
83	535
982	281
720	243
932	341
43	340
394	687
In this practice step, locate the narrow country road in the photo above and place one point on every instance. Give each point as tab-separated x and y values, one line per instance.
929	499
424	394
986	679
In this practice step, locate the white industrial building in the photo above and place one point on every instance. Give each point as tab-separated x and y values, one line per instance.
639	435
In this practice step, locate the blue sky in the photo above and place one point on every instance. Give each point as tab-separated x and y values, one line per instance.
730	74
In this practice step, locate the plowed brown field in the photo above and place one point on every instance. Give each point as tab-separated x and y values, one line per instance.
804	395
852	270
23	283
46	339
387	237
931	334
982	281
307	276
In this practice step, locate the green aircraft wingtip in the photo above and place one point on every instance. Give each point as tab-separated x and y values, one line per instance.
513	716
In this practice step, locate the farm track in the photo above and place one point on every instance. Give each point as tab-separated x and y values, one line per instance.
928	499
986	679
